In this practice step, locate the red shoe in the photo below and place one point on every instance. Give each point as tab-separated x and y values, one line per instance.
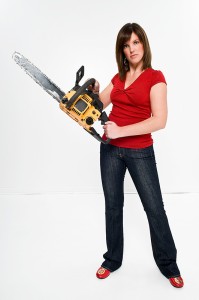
102	273
177	282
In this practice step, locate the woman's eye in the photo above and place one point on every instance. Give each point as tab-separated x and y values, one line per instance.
136	42
125	46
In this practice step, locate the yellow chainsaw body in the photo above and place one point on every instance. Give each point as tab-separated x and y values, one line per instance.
82	110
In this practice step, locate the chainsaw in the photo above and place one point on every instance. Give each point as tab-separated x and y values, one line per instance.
80	103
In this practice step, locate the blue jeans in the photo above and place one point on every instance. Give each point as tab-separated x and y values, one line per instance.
114	162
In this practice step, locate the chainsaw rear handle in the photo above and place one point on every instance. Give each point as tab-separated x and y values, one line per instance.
104	118
81	90
97	136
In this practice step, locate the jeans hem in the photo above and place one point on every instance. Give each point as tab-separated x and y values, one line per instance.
106	268
173	276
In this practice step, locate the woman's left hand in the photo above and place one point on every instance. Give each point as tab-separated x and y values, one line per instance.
112	130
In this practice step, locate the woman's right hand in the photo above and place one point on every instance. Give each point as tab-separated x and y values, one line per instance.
94	87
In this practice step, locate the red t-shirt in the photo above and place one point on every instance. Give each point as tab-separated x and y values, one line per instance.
132	105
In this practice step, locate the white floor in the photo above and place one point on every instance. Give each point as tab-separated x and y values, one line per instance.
52	245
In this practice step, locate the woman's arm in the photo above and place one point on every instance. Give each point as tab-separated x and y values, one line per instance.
105	95
157	121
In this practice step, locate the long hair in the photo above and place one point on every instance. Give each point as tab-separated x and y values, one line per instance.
122	37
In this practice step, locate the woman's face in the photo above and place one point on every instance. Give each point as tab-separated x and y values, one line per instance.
133	50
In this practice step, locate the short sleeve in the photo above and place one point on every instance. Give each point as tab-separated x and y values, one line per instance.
113	80
157	77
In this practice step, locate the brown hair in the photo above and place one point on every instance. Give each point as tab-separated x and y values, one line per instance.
122	37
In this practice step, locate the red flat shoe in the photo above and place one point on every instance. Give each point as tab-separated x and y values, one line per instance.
176	281
102	273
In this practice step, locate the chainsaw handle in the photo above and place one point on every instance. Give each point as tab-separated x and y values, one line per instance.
80	91
103	118
97	136
105	141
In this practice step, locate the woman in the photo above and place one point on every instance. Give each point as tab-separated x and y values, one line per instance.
138	94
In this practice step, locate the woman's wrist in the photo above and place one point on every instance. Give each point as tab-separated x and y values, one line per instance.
96	87
121	132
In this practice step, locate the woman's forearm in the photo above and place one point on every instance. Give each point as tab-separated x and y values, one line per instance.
147	126
154	123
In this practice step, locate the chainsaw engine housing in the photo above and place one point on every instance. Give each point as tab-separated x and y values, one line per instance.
83	110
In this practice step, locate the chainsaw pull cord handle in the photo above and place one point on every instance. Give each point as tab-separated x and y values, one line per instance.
81	90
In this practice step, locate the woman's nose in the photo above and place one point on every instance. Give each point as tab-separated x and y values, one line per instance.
131	48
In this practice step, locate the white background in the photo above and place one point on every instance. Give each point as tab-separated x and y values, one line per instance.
43	150
52	231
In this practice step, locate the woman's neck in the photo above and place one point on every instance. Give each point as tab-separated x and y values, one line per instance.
136	69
